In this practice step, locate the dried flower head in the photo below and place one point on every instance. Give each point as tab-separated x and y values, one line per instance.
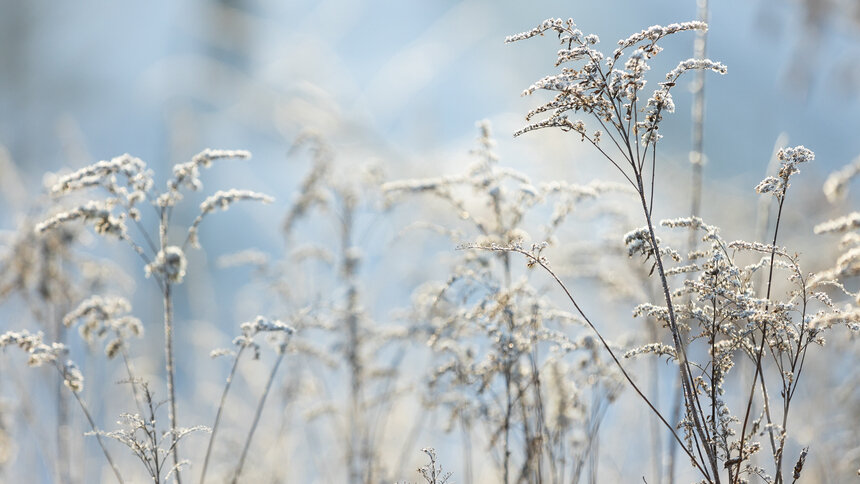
836	185
100	213
169	264
40	353
608	93
99	316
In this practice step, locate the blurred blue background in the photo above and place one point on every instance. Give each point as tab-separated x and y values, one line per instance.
89	80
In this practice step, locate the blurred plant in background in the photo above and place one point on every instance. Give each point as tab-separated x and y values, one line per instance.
513	369
347	377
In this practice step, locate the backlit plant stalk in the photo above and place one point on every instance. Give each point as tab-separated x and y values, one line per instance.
732	321
129	184
612	97
342	199
41	353
502	348
697	163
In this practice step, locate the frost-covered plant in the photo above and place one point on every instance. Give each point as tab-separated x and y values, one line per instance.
734	317
100	317
140	433
322	276
47	275
846	269
508	358
128	186
432	472
280	333
726	311
41	353
848	226
356	338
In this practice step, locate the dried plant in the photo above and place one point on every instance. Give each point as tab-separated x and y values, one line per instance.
128	184
41	353
244	342
321	277
726	312
140	433
510	359
845	269
432	472
48	276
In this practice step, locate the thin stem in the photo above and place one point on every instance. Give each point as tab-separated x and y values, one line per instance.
635	119
95	431
676	416
692	400
531	470
543	264
620	127
714	374
257	416
171	384
153	436
145	234
542	432
696	158
656	441
140	253
218	413
766	405
467	451
653	178
758	369
64	461
168	344
131	378
614	141
788	392
606	155
507	424
698	112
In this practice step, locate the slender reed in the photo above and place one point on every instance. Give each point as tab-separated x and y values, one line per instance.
95	432
697	163
171	371
721	300
217	421
257	414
